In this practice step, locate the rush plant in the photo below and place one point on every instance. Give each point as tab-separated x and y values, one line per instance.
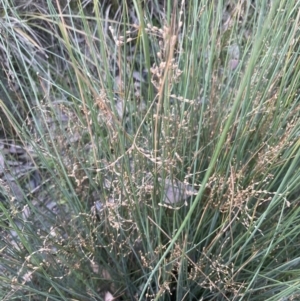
149	150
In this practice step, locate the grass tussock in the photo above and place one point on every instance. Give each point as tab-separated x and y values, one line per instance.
149	150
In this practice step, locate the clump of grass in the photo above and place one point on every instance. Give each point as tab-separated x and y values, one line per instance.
157	153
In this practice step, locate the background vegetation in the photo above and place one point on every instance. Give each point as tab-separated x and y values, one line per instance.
149	150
